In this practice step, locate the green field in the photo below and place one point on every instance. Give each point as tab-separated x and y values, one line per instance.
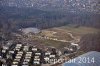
61	33
79	30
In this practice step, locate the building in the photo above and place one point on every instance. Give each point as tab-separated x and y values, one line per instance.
25	55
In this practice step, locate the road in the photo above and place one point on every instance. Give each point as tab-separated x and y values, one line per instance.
75	40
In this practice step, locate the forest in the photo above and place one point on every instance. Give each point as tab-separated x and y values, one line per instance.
17	18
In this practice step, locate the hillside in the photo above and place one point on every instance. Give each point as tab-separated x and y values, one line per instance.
49	13
28	17
71	5
90	42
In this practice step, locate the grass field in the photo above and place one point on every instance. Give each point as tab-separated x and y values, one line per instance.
61	33
79	30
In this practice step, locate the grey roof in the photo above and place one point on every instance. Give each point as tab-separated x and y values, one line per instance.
90	55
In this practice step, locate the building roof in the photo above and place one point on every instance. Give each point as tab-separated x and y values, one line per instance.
94	60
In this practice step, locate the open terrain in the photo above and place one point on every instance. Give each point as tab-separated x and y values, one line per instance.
60	37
